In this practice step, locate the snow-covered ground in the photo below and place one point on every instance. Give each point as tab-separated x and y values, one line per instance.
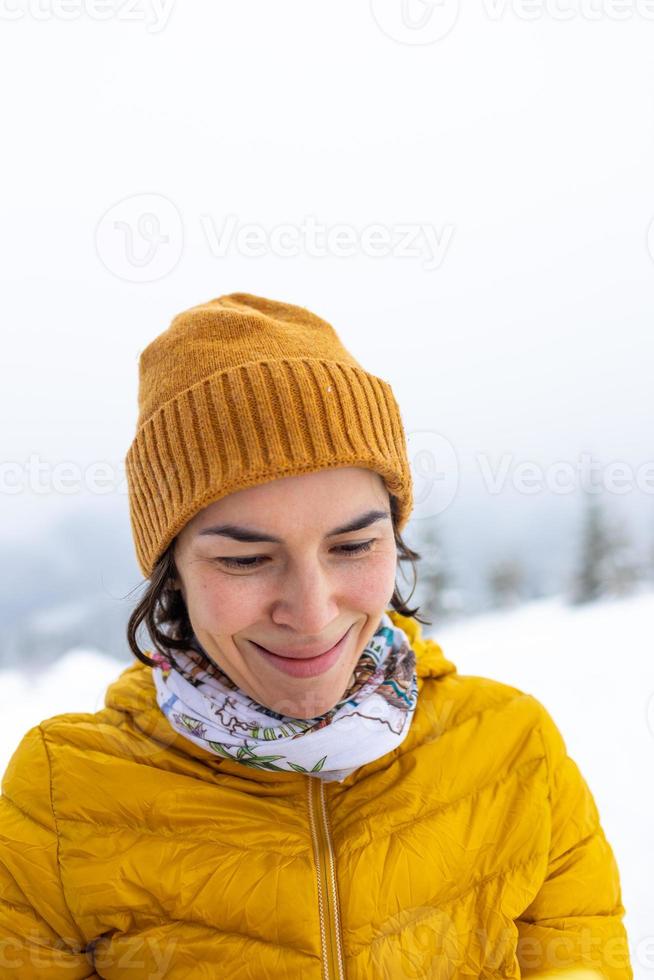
592	667
75	682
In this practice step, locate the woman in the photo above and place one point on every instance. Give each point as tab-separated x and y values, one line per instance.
292	782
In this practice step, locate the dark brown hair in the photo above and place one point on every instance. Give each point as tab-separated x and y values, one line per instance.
163	609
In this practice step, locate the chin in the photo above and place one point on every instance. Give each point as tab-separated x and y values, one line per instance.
305	715
305	708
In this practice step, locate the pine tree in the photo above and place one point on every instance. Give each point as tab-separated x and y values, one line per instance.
588	582
506	581
440	597
624	570
607	564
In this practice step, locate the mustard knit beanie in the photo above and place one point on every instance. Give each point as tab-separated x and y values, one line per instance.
242	390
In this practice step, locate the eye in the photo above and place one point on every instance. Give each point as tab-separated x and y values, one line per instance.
255	560
240	562
355	549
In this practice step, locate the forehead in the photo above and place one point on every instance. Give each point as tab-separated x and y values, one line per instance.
320	500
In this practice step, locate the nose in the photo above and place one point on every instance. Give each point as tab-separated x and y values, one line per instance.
307	601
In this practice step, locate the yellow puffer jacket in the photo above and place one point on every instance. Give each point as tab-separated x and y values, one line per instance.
474	849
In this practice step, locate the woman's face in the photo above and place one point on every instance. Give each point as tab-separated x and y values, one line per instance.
294	596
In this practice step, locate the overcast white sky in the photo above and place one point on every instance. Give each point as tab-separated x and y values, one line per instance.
517	152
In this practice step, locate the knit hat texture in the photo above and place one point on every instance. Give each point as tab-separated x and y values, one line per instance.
242	390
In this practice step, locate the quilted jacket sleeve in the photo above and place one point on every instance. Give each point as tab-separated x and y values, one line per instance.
576	919
38	937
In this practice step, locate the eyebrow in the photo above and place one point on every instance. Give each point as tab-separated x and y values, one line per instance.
249	534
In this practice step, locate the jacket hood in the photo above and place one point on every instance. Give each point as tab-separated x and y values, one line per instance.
133	692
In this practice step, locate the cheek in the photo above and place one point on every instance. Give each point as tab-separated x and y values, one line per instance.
221	604
373	583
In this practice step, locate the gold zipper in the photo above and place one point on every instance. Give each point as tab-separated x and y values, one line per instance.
330	920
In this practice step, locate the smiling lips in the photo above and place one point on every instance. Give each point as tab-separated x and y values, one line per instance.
305	666
305	654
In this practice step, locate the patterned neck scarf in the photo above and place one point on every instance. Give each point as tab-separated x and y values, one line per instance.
373	717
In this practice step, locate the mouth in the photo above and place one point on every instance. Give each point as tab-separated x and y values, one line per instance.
303	666
309	655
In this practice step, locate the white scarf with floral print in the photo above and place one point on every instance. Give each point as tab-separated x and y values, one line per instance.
372	718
